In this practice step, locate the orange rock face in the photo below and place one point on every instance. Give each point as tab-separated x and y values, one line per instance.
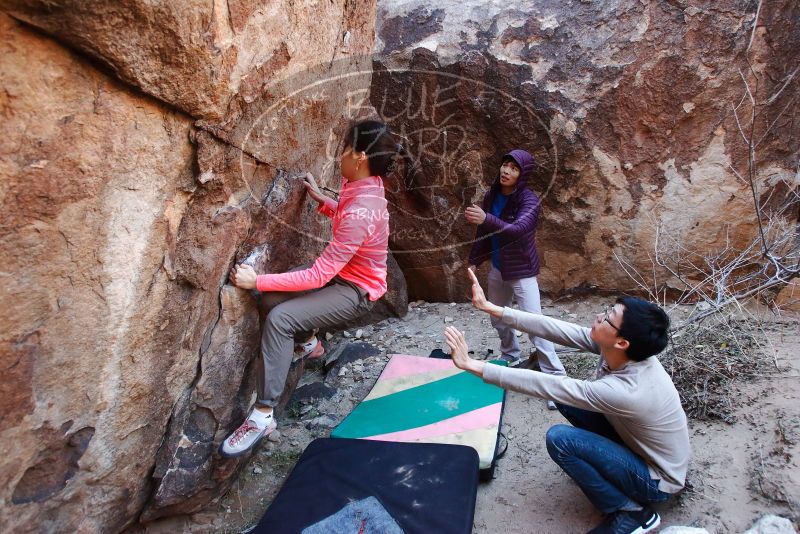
627	107
147	146
126	356
88	170
200	56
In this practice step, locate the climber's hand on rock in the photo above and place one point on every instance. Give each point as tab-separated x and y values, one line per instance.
243	276
475	215
313	189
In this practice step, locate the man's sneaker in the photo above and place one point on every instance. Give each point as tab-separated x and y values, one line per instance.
244	438
312	348
510	360
624	522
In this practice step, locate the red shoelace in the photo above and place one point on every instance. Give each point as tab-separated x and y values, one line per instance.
242	431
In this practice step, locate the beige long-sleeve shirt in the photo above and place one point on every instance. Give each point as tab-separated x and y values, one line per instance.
638	399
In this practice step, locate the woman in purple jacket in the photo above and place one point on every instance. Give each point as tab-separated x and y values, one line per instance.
506	235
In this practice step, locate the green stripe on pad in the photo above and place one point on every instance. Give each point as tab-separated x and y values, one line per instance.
419	406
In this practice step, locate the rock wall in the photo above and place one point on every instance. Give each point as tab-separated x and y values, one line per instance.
147	146
627	106
145	149
201	56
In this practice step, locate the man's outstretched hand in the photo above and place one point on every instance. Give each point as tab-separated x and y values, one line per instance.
459	351
243	276
479	300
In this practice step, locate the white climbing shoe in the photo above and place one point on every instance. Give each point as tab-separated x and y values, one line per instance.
255	427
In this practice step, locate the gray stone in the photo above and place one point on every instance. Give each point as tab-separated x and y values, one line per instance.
772	524
348	353
311	392
323	422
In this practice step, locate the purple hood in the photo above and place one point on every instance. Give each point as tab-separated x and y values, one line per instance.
515	228
526	164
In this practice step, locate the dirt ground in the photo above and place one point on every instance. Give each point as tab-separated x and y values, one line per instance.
739	471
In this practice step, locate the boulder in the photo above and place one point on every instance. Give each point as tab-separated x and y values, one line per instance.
97	341
128	358
772	524
394	303
626	106
202	56
788	298
189	472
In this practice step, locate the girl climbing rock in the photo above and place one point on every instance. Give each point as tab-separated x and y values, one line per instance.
340	286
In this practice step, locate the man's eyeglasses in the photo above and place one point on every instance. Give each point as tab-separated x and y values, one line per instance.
606	319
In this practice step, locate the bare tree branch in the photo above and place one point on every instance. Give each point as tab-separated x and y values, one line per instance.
755	26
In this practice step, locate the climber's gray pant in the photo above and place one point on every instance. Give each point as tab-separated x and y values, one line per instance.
293	317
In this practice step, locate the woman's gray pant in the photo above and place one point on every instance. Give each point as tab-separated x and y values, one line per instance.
294	316
526	293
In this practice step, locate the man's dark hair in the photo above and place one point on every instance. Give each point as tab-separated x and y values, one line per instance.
645	326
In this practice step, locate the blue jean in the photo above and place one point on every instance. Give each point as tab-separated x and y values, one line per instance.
591	452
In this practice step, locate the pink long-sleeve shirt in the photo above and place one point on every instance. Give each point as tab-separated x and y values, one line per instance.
359	247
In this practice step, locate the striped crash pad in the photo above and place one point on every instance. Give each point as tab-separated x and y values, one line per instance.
429	400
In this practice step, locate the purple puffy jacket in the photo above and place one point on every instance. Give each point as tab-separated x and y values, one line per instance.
515	228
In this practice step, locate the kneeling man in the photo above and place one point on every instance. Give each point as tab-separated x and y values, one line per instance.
628	443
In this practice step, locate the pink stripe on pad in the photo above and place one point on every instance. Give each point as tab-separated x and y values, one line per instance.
480	418
406	365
